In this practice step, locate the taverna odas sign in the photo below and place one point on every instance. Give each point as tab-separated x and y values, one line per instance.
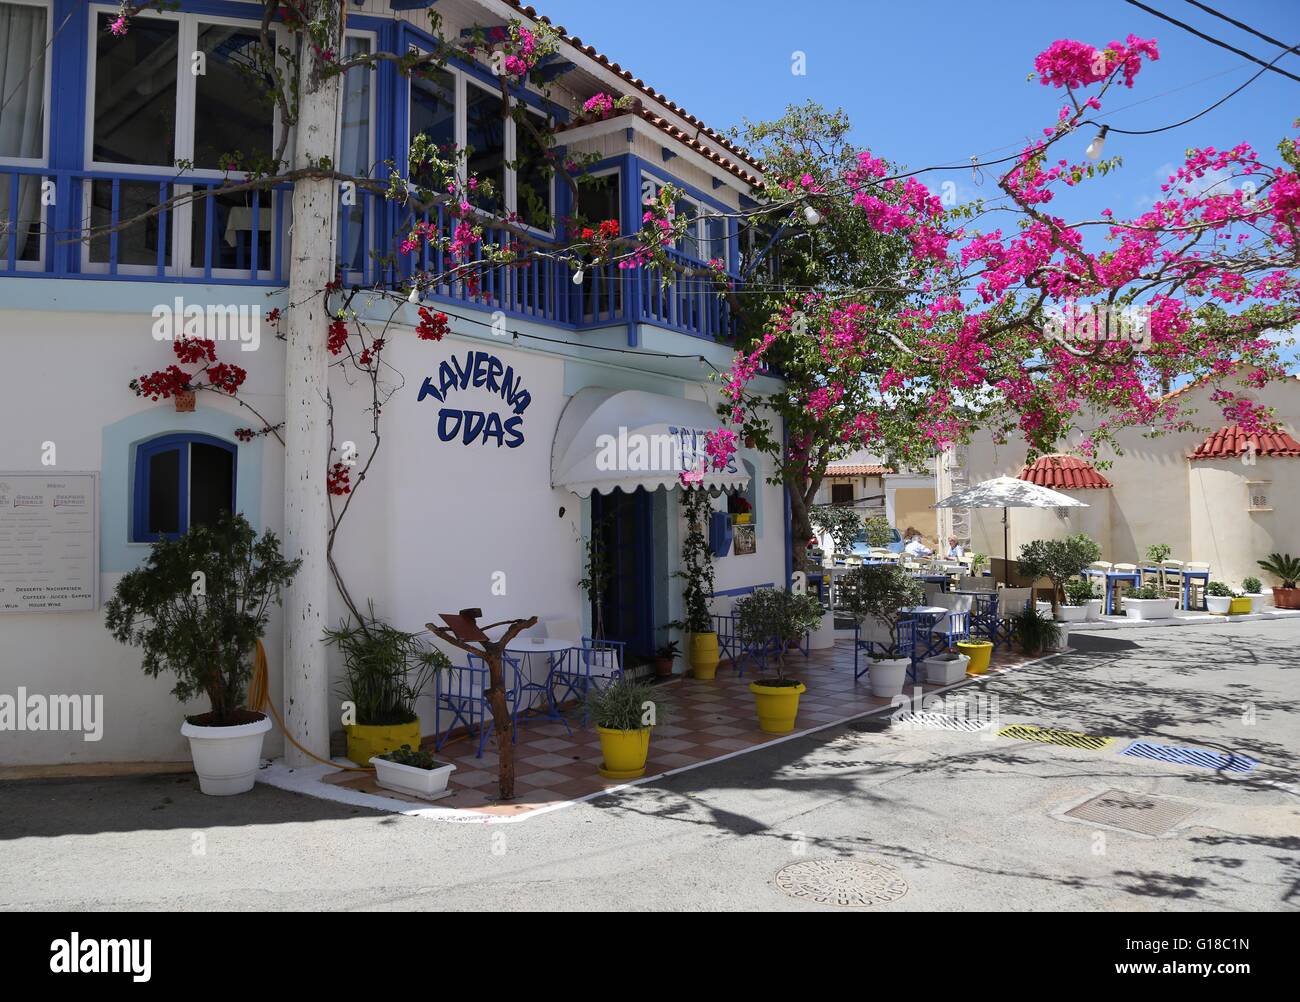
483	371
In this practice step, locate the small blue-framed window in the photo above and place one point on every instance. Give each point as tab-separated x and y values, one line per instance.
180	481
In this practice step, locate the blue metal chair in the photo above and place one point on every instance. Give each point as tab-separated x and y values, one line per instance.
462	692
724	625
944	631
984	616
595	663
905	638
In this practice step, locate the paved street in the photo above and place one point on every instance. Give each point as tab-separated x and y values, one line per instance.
964	821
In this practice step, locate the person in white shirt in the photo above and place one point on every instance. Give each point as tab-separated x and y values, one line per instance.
955	551
916	548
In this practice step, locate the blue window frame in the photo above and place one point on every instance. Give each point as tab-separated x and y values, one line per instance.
179	481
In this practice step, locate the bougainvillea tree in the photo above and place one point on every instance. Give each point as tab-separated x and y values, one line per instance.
1039	324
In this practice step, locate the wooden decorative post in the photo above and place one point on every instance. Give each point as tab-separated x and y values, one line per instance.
462	631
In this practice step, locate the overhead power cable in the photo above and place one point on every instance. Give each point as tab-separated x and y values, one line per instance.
1214	41
1235	23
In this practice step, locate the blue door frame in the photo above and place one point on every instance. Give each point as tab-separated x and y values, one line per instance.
625	523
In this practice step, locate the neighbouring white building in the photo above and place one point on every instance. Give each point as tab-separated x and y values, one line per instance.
451	515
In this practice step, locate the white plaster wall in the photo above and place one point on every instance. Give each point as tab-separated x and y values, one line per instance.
1226	535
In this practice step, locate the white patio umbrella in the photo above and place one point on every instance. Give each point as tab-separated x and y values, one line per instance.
1007	493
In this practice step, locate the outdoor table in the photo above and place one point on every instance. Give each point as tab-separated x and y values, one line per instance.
524	648
1187	575
1111	577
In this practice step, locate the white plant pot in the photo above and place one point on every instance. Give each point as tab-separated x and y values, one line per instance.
1218	605
1073	613
1149	608
1259	601
1044	607
823	638
941	672
1063	641
1094	610
226	758
887	677
409	779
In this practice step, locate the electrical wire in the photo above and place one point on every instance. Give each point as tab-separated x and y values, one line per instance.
1235	23
1212	40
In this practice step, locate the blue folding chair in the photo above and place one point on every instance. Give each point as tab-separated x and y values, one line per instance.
905	634
984	616
595	664
724	625
462	692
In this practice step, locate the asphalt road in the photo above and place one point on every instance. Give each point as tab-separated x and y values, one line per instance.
961	821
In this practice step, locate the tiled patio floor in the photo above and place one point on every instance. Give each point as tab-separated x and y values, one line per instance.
703	721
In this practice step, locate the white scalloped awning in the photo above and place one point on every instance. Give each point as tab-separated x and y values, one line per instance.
626	439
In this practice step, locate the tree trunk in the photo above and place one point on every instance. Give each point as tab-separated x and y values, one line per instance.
306	438
801	529
501	726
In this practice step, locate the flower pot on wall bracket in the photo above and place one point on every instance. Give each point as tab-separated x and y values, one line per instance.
184	400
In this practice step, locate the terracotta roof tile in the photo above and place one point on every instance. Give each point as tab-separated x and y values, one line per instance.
667	127
856	470
1063	473
738	152
1229	442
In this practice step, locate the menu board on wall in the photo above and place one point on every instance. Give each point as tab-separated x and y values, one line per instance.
49	542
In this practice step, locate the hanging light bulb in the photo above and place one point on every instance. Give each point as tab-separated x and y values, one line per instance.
1098	144
577	277
414	297
812	215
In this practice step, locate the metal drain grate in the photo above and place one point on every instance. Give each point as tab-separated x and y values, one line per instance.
1133	812
1200	757
849	883
927	721
1052	736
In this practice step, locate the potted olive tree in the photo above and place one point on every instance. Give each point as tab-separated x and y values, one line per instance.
384	672
840	522
623	713
1287	569
196	608
879	596
776	617
1058	560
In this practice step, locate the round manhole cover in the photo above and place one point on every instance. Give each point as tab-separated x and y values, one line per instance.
849	883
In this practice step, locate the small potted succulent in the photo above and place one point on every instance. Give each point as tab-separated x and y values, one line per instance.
1036	633
1147	603
664	658
623	713
771	615
978	562
1253	589
879	595
412	771
1286	568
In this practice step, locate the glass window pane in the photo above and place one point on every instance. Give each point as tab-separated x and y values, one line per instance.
690	242
599	198
533	176
715	230
28	229
433	113
165	491
137	243
212	483
232	112
485	139
232	231
354	153
22	82
135	92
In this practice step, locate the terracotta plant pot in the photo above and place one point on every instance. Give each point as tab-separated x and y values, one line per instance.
663	667
184	401
1286	598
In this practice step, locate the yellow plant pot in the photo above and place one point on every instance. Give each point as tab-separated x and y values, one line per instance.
624	752
704	655
1239	607
367	740
742	518
777	706
979	651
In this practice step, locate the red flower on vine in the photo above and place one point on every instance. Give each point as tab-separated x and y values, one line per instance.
226	377
338	480
338	336
194	349
161	384
432	326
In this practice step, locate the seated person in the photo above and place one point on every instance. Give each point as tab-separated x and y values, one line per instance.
916	548
955	551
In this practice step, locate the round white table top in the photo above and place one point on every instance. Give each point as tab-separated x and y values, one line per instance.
924	610
539	645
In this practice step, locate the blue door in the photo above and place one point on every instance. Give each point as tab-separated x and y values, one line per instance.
622	521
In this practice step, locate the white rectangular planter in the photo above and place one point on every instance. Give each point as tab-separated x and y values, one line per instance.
1149	608
941	672
409	779
1073	613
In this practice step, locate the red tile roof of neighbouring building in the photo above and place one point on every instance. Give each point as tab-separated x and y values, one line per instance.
1230	441
856	470
1063	473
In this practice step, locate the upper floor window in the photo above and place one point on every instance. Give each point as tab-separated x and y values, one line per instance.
181	481
24	34
705	236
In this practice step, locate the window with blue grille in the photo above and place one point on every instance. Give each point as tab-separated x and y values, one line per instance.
180	481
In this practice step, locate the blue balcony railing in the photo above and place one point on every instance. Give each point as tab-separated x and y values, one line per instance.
240	238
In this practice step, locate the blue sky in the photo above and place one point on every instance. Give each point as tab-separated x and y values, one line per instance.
935	81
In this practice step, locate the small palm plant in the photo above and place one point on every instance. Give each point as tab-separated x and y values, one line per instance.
1284	566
